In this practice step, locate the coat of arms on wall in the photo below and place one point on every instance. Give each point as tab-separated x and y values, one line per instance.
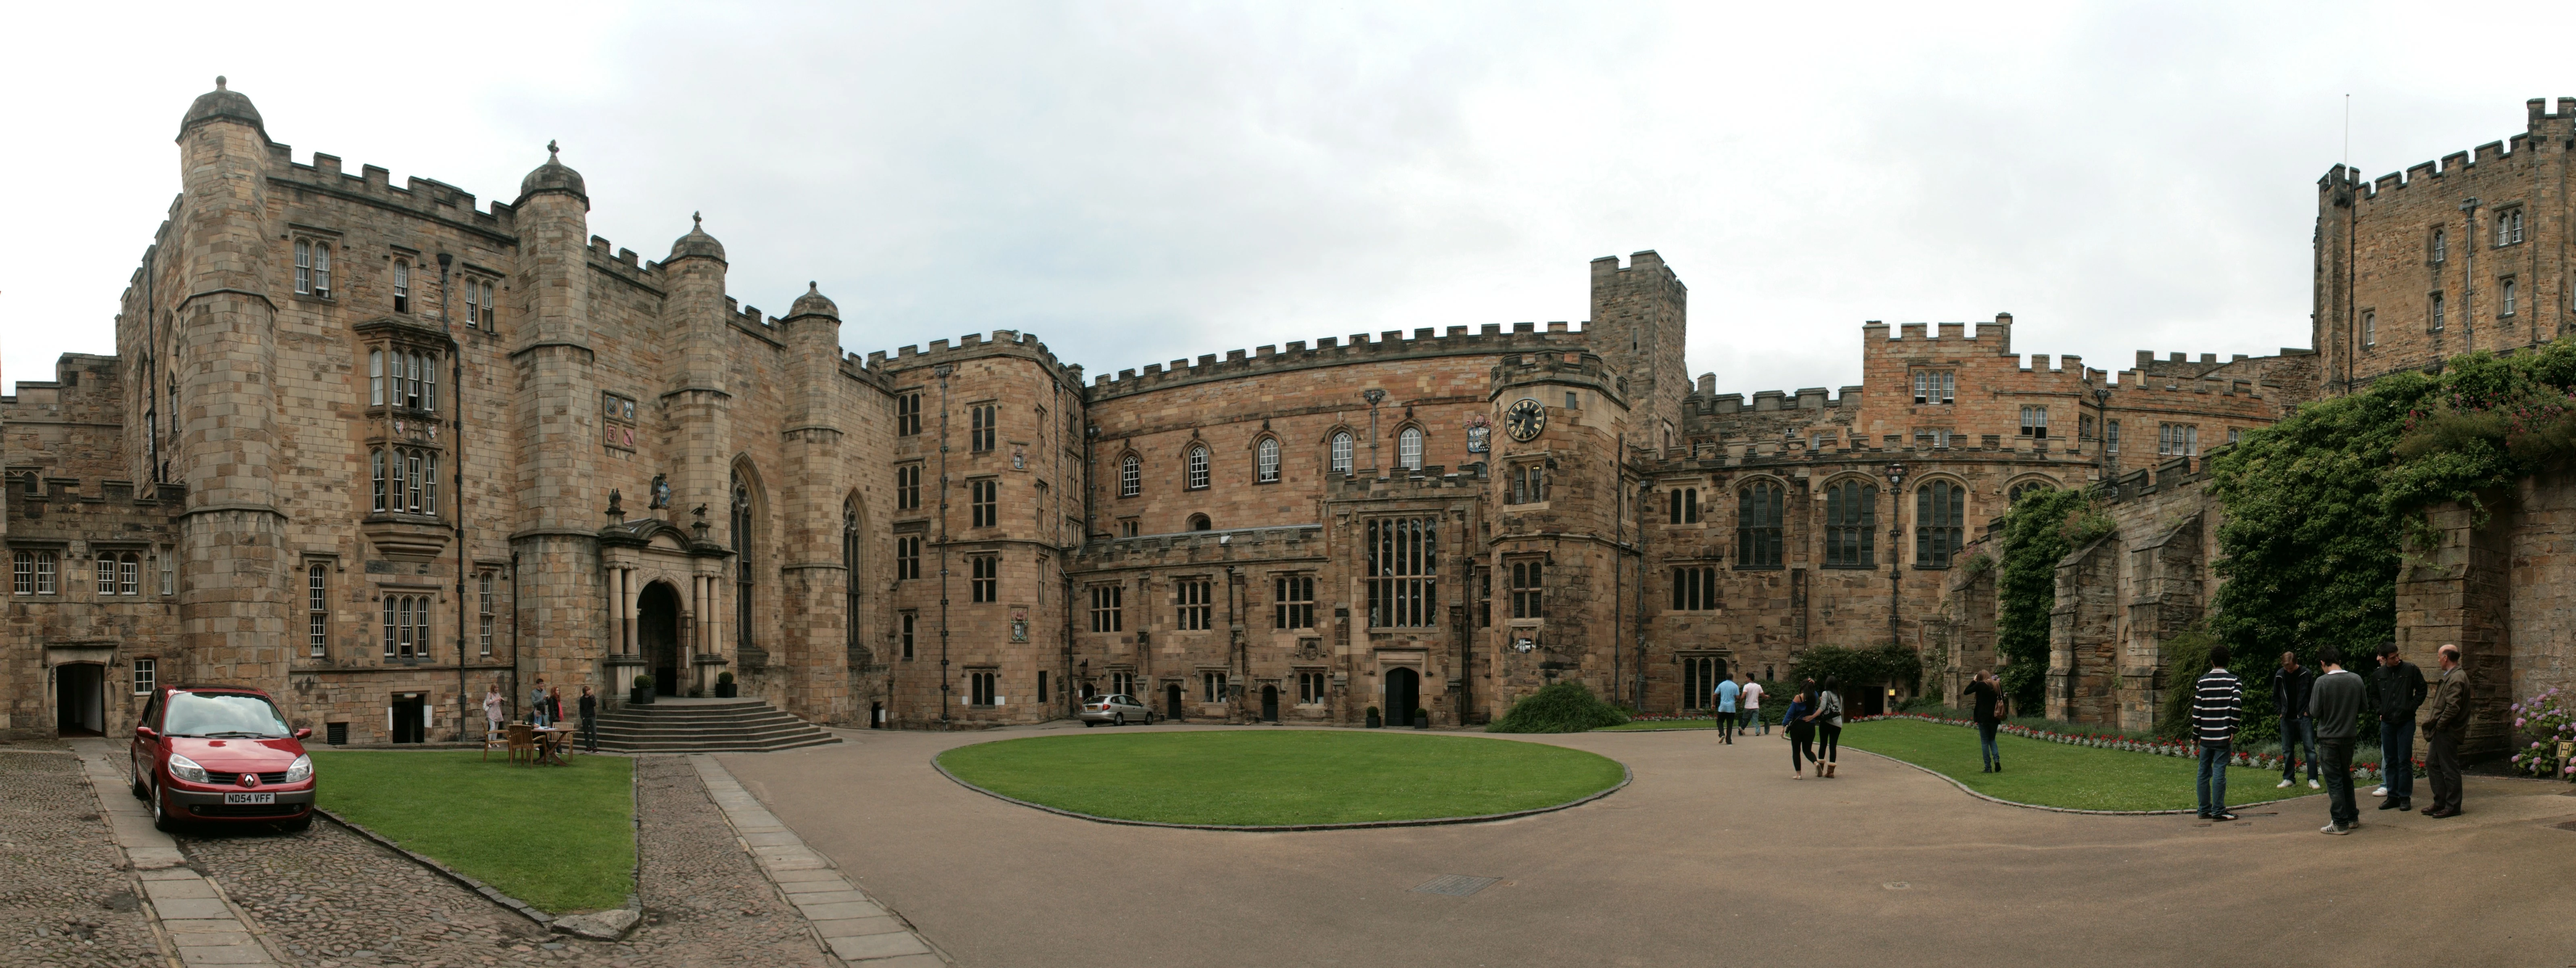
1479	427
1019	626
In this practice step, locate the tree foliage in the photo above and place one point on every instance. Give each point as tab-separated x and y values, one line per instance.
2040	529
2322	507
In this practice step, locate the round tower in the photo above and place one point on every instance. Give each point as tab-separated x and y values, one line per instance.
233	603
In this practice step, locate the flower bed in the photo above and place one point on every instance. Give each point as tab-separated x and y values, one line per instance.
2113	741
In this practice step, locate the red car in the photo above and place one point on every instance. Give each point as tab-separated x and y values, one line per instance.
221	753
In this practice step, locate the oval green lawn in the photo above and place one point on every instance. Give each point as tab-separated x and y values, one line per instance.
1282	777
2059	774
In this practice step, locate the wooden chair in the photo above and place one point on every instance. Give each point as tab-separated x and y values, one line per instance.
492	738
523	741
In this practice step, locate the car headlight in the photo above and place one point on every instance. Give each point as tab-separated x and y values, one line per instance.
301	770
187	769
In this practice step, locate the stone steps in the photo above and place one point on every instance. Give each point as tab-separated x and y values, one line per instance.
722	726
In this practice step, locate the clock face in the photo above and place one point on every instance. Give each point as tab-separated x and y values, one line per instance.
1525	419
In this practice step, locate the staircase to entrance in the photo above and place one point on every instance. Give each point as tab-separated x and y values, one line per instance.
675	725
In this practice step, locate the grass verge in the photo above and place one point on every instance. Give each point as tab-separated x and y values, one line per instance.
2058	774
1282	777
561	838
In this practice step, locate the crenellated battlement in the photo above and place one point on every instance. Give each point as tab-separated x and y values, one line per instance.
2543	126
422	197
1993	338
1001	342
1705	402
1335	351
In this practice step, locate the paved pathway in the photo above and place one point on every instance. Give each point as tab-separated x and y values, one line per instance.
1713	856
856	928
194	915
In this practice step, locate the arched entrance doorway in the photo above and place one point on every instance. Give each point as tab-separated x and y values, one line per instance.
80	699
1172	701
657	633
1269	704
1403	693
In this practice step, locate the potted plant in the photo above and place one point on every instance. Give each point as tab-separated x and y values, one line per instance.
642	694
1372	718
724	685
1421	718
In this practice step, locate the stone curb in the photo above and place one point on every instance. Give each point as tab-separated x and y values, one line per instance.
524	909
257	951
1626	776
1963	788
849	926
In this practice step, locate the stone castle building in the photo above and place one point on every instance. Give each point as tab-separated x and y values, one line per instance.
378	447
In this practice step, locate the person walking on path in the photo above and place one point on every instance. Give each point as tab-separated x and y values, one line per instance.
2442	731
1752	700
2334	705
1801	733
554	705
1981	707
589	720
2401	691
493	712
2290	685
1727	691
2218	705
1829	727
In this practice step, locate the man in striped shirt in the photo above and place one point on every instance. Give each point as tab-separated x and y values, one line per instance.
2218	705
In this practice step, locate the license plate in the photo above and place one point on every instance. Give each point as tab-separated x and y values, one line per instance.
231	798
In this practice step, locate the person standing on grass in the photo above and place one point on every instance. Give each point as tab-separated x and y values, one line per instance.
589	720
1981	707
1727	691
2290	685
1796	724
537	703
2442	730
2401	691
1828	718
1752	700
493	711
2334	705
2218	705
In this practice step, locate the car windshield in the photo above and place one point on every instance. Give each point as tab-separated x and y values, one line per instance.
225	715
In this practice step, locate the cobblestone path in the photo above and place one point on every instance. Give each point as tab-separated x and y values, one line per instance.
62	899
328	898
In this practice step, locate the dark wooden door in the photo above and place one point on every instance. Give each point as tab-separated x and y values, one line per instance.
1403	692
1270	704
407	716
1172	701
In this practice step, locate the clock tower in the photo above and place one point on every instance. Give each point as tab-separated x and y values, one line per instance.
1562	536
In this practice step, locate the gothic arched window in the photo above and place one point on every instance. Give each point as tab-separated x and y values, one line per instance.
1265	461
1408	449
850	572
1198	467
1131	475
1341	452
1851	521
1757	525
743	523
1940	516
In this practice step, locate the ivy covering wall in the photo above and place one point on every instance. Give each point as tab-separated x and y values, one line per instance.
2040	528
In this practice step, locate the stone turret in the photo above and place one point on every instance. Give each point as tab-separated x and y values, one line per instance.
232	615
557	402
813	638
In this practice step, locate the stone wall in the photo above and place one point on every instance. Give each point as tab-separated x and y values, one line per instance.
2499	590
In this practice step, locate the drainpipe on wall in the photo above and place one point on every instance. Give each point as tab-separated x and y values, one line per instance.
456	465
2469	277
943	372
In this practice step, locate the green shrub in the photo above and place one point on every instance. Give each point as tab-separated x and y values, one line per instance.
1888	664
2041	528
643	682
1565	707
724	678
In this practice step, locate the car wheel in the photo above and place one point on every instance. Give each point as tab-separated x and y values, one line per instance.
1149	718
1118	719
161	819
1088	723
134	782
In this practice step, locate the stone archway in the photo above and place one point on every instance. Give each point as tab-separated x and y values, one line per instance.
80	699
657	635
1403	695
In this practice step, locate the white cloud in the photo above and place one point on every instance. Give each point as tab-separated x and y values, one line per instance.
1137	182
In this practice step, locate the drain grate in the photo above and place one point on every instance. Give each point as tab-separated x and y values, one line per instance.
1457	885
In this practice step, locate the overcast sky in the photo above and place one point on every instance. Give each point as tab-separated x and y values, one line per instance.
1138	182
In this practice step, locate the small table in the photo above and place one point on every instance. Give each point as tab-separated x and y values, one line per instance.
551	743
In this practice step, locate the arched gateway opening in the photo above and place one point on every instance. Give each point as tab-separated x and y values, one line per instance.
657	633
